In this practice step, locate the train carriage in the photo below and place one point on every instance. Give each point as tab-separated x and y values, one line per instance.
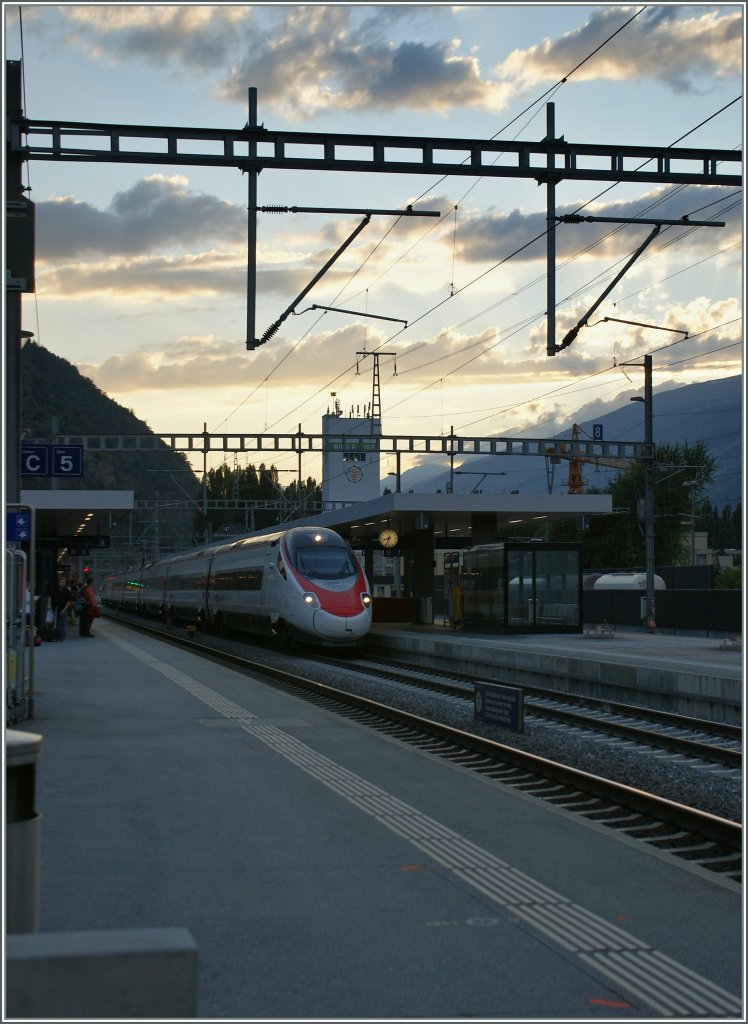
238	585
185	585
301	584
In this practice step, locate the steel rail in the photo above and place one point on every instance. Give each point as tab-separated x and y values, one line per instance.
721	831
731	757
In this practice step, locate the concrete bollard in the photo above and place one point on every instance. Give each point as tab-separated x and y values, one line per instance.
22	832
131	974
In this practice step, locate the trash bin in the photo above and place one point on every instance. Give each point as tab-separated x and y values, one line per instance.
423	613
22	831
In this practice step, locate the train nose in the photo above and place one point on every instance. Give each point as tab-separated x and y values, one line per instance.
331	625
340	627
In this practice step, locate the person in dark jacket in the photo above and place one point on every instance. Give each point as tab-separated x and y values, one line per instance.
61	600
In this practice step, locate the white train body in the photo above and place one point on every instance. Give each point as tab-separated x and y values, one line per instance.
626	581
303	583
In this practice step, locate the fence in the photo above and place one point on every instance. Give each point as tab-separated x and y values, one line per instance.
713	611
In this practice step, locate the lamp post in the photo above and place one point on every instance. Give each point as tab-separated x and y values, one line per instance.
649	471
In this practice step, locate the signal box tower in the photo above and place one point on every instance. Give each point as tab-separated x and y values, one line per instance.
350	456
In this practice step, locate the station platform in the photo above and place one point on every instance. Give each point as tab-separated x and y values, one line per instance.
690	675
327	871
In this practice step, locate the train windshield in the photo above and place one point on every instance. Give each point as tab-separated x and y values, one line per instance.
322	562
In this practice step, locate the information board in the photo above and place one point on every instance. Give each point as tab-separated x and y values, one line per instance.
500	705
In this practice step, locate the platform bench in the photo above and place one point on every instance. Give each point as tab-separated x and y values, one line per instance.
559	614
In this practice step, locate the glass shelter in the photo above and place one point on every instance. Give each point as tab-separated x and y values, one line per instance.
523	587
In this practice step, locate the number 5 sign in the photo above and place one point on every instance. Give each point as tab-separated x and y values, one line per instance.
67	460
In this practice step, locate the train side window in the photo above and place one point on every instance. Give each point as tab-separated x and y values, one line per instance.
253	579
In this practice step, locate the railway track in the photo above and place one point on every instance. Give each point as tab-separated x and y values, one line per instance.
706	742
706	840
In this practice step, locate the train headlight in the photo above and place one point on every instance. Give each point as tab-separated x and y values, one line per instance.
366	600
311	600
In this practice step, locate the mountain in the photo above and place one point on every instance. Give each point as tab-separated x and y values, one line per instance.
57	399
710	412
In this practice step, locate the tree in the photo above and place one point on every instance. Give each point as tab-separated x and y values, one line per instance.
618	541
272	503
729	579
725	527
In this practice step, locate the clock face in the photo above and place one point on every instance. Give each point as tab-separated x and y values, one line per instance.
388	538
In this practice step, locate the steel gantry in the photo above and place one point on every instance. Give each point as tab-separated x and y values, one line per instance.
440	444
255	148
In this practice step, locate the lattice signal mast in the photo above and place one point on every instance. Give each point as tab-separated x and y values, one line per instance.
376	393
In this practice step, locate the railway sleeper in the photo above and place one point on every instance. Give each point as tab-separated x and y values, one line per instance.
723	861
579	802
697	847
664	832
554	791
537	785
472	760
617	816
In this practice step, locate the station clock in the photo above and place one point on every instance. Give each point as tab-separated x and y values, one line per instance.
388	538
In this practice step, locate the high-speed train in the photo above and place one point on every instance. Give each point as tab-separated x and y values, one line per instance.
303	584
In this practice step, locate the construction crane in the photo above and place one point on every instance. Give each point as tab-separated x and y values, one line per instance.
574	480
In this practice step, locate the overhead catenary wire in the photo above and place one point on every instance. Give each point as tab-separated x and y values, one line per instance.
577	290
539	315
530	106
666	197
505	337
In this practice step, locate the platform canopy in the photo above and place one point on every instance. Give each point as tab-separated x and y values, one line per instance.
62	514
458	518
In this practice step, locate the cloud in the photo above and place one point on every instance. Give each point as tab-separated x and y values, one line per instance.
333	66
156	238
491	235
209	362
661	44
165	277
205	362
304	59
158	212
308	59
161	238
189	36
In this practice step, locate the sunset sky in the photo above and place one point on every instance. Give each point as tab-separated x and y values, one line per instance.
141	271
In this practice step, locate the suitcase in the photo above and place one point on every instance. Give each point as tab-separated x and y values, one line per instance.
49	630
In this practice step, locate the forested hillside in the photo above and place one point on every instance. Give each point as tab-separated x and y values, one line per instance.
57	400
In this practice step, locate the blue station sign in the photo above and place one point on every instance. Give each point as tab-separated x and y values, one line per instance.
52	460
18	526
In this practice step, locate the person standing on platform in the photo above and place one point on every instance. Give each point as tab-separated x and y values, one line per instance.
72	615
62	599
89	611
